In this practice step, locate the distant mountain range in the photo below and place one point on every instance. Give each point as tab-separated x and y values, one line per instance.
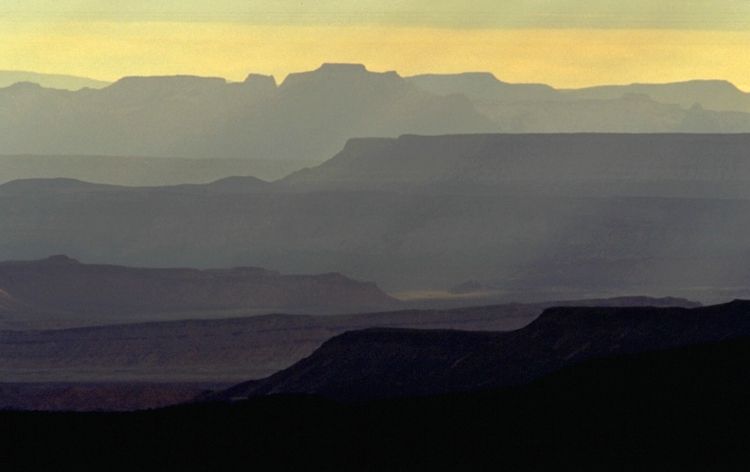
574	216
310	116
390	363
60	290
306	118
717	95
53	81
141	171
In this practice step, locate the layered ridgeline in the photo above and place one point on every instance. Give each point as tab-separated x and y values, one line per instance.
699	106
61	290
225	350
570	216
383	363
585	165
53	81
308	117
141	171
714	95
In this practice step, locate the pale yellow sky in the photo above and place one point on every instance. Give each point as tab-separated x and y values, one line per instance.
567	43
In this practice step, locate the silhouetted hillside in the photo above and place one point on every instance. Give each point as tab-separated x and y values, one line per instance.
67	290
683	408
119	396
385	363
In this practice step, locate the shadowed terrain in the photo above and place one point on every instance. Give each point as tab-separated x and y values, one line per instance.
229	350
684	407
387	363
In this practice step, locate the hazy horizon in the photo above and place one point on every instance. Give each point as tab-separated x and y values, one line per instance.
280	78
572	43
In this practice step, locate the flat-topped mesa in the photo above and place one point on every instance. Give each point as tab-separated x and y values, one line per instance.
260	78
342	68
339	72
672	320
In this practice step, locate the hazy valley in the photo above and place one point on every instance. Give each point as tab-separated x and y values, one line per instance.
446	267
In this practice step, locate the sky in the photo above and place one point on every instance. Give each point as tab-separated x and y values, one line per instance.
567	43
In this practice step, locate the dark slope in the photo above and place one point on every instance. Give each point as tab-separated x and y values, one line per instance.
116	396
69	290
681	408
381	363
227	350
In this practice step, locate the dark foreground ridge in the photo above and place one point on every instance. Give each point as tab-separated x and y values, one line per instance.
389	363
227	350
685	406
